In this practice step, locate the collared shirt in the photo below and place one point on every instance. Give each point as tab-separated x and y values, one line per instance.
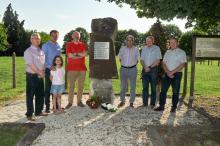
150	54
34	56
79	63
129	56
50	50
173	58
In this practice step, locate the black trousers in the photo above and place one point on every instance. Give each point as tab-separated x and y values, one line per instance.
34	88
47	88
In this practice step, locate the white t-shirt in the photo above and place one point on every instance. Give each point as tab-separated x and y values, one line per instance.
150	54
173	58
58	76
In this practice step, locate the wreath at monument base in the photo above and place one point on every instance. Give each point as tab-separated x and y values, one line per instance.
94	102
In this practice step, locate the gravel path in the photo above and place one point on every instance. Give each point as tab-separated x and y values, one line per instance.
84	126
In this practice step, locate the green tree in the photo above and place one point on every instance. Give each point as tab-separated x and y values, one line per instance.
212	30
83	33
204	13
157	31
3	38
171	30
120	40
15	31
44	37
185	41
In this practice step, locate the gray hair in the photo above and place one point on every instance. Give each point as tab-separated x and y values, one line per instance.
130	36
150	37
35	35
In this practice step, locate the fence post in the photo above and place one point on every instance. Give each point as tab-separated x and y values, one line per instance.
13	71
192	79
185	81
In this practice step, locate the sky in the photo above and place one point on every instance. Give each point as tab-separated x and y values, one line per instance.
66	15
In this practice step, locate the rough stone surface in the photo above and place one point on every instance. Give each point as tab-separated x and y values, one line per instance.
103	30
84	126
102	88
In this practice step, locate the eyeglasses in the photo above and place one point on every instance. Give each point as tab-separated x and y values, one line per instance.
129	40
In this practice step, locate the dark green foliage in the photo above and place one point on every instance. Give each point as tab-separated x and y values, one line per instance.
15	31
171	30
201	13
3	38
185	41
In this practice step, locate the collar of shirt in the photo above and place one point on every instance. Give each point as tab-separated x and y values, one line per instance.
36	48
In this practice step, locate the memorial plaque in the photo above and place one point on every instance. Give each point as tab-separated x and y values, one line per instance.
207	47
101	50
102	68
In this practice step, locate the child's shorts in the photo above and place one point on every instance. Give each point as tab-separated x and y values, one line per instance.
57	89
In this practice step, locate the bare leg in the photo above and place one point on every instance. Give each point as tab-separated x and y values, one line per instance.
58	101
54	102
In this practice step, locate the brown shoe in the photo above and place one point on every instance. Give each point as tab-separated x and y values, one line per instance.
131	105
31	118
121	104
68	106
42	114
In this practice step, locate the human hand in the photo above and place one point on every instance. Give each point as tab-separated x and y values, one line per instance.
53	68
146	69
41	74
170	74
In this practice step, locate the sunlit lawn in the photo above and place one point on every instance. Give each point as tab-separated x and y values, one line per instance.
207	81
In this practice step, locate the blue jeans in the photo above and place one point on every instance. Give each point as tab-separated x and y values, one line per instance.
175	83
34	87
149	78
125	75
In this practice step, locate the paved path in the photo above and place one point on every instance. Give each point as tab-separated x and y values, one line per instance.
84	126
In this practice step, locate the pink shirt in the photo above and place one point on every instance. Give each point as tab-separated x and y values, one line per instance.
34	56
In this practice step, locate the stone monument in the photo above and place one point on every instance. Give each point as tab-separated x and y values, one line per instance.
102	61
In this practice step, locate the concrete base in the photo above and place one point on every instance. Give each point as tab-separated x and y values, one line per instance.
102	88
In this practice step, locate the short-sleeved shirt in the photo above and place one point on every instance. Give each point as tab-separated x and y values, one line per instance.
150	54
173	58
129	56
75	64
50	50
34	56
58	76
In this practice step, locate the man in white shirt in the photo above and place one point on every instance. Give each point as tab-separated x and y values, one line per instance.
150	59
128	56
173	62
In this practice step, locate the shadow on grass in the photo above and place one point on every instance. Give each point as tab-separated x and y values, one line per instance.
19	134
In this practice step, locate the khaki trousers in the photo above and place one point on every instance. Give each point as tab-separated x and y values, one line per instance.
72	77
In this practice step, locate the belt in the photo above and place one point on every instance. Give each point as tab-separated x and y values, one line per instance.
128	66
31	74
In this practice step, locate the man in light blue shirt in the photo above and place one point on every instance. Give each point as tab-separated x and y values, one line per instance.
51	49
150	59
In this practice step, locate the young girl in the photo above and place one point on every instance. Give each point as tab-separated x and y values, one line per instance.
57	79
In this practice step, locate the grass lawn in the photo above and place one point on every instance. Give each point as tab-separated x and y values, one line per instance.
207	79
10	136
